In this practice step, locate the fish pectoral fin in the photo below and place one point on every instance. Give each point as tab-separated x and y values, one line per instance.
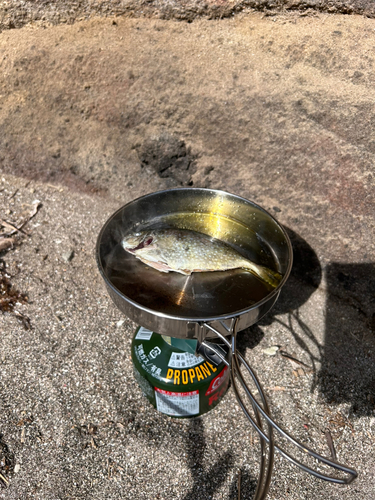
186	272
159	266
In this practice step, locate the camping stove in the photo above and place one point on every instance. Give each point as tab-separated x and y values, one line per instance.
211	305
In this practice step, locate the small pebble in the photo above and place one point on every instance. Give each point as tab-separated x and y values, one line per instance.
271	351
68	256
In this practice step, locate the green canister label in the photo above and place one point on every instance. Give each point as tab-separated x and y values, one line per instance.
175	381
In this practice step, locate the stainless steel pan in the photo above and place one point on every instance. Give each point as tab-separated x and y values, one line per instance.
174	304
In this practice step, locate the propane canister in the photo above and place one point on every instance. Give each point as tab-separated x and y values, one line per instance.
175	380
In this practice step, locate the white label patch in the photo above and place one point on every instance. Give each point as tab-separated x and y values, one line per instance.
177	404
143	334
183	360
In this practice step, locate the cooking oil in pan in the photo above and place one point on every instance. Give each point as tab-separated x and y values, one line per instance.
199	295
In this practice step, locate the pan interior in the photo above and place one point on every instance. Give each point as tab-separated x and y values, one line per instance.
200	295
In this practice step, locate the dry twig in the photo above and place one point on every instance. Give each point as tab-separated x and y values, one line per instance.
284	354
331	447
36	205
4	479
239	485
12	229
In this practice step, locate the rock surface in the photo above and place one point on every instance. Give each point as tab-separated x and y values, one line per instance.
278	109
17	13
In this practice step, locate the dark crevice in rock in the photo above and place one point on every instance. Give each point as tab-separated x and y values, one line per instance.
169	157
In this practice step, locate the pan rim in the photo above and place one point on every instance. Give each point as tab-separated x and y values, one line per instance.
273	294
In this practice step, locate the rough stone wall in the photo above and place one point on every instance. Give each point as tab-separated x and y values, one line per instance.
17	13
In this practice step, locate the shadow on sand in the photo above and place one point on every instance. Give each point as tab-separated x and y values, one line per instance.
347	356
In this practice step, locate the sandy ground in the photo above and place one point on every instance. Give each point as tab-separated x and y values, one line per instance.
277	109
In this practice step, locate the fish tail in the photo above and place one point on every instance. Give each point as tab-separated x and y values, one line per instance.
264	273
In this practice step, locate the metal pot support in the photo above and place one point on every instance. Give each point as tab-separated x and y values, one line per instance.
234	360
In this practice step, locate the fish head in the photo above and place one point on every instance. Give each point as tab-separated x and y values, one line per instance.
139	242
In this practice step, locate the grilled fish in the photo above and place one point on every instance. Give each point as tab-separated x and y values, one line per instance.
186	252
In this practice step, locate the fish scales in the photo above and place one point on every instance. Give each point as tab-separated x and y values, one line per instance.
186	251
